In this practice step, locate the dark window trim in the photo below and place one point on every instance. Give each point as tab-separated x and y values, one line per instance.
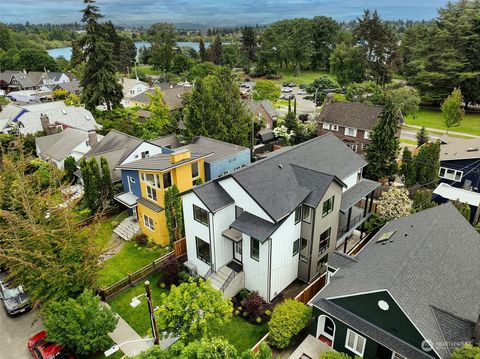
299	210
195	216
309	215
330	209
253	240
199	256
303	258
296	244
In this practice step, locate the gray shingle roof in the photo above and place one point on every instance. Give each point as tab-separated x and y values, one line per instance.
339	259
154	207
435	264
274	181
459	149
351	114
219	149
271	110
115	147
254	226
168	140
71	87
213	196
356	193
172	96
454	329
160	162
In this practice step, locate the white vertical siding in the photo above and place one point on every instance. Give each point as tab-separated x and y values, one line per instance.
223	246
256	272
194	228
242	198
284	265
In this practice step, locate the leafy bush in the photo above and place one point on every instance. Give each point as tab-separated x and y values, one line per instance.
170	270
254	305
288	319
334	355
243	294
141	240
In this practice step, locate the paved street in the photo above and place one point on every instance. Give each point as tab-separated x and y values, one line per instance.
14	334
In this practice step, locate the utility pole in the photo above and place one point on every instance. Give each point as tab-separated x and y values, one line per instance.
151	311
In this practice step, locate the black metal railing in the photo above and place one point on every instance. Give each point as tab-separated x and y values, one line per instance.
228	281
351	225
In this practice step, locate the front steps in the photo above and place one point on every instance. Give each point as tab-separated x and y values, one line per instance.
127	229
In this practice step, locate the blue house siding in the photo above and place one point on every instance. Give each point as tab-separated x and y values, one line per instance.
470	169
134	187
226	165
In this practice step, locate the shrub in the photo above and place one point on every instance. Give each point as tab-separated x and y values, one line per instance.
268	312
141	240
258	320
243	294
334	355
170	270
255	305
288	319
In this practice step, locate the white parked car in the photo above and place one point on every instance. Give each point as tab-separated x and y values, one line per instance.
302	92
286	90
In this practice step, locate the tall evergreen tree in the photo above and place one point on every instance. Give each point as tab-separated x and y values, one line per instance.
249	43
384	144
408	168
463	208
214	109
216	50
423	200
422	136
162	37
201	50
427	164
99	80
106	180
70	166
174	214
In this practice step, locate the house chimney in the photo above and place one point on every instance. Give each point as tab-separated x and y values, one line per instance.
45	121
92	139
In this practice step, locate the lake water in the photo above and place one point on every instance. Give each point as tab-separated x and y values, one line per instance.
66	52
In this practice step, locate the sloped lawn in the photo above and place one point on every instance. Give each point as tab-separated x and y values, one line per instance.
432	118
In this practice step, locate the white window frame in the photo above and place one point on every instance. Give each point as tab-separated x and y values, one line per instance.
366	135
148	222
347	131
355	342
334	127
153	195
326	126
455	173
155	183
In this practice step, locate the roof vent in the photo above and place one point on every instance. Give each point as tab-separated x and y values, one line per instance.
472	149
280	165
64	111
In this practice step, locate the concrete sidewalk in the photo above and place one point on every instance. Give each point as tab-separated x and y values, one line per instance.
124	333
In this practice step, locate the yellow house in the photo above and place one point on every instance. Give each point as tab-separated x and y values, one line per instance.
157	173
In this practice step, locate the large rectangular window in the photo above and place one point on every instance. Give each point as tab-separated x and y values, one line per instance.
349	131
306	213
303	249
203	250
151	193
254	248
328	206
148	222
324	240
298	214
321	263
450	174
195	172
151	179
167	180
200	215
355	342
295	247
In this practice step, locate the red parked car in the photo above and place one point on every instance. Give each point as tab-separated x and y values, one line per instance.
41	349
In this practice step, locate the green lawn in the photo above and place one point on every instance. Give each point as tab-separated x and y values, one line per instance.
149	70
240	333
408	142
432	118
138	317
305	77
105	229
130	259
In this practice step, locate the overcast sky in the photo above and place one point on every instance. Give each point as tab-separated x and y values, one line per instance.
212	12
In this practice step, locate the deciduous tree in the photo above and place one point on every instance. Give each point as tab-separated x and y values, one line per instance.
394	204
422	200
406	99
463	208
266	90
162	37
452	109
348	64
81	324
189	309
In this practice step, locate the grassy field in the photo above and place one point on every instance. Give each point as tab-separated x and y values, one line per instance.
432	118
130	259
408	142
149	70
105	229
305	77
138	317
240	333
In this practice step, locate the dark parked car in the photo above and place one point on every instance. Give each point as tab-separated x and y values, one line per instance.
15	300
41	349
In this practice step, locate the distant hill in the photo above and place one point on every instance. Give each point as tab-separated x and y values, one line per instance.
189	26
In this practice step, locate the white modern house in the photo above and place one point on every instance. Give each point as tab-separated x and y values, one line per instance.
278	219
132	88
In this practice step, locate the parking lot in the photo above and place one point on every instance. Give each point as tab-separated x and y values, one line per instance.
14	334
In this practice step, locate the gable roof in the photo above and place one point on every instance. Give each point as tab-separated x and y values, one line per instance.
351	114
219	149
213	196
71	87
281	182
254	226
60	145
115	147
10	112
129	84
170	141
431	260
254	107
160	162
172	95
24	80
460	149
70	116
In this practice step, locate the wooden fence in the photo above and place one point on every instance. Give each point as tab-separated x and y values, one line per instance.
308	293
179	251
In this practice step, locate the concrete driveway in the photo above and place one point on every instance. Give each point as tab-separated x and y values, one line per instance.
14	334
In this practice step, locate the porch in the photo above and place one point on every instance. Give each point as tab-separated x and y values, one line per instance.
355	209
311	347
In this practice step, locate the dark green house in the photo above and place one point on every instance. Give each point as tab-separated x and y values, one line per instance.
412	292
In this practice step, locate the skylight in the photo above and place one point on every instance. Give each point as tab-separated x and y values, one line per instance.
385	236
